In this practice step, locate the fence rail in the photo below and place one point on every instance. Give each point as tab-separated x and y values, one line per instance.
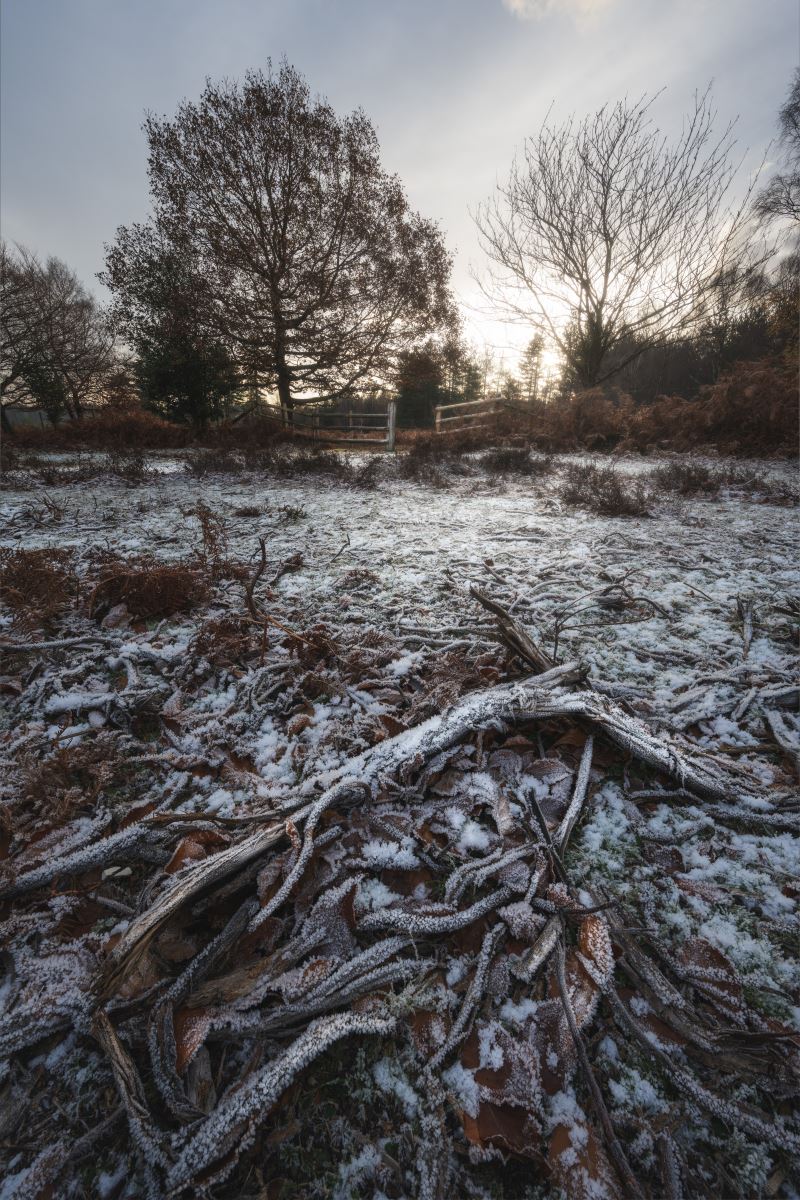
480	411
322	426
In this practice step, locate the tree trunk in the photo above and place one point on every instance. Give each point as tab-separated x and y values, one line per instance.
285	395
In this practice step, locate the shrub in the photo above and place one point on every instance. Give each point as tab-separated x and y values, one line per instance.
367	475
252	431
107	429
302	463
423	470
604	491
750	410
687	478
127	463
215	462
596	418
9	456
694	479
512	461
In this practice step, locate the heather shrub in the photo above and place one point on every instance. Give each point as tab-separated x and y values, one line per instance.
687	478
691	478
252	433
302	463
215	462
425	461
603	490
127	463
367	475
515	461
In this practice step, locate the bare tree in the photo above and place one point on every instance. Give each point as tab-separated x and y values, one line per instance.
55	345
781	197
316	271
607	234
23	317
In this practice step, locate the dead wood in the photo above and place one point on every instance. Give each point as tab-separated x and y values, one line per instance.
617	1154
514	635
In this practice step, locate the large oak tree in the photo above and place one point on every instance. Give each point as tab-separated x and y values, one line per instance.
310	264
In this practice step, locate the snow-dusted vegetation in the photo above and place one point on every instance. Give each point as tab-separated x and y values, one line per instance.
417	827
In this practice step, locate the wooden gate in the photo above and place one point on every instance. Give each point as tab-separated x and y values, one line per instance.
465	416
323	426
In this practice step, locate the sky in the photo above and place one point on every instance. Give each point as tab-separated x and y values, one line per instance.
453	87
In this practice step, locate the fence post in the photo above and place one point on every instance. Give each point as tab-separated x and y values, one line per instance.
391	418
437	418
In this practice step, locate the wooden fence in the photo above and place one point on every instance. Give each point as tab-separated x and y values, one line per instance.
323	426
465	416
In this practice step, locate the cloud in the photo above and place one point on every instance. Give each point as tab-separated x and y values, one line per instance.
536	10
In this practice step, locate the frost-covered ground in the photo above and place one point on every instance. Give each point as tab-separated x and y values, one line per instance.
178	737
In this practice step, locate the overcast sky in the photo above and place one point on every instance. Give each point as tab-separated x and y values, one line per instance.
452	85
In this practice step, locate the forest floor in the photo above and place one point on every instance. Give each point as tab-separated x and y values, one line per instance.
415	827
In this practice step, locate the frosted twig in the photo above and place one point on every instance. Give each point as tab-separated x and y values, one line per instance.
425	926
460	1026
578	797
232	1126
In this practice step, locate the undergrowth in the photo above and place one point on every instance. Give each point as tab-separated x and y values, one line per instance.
605	491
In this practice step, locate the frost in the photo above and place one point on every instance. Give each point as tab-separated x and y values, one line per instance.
563	1109
473	837
356	1172
518	1013
402	666
391	1079
259	742
107	1182
373	895
461	1083
456	970
632	1091
609	1047
220	802
390	854
456	817
490	1052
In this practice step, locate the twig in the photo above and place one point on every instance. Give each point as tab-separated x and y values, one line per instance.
617	1153
578	797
